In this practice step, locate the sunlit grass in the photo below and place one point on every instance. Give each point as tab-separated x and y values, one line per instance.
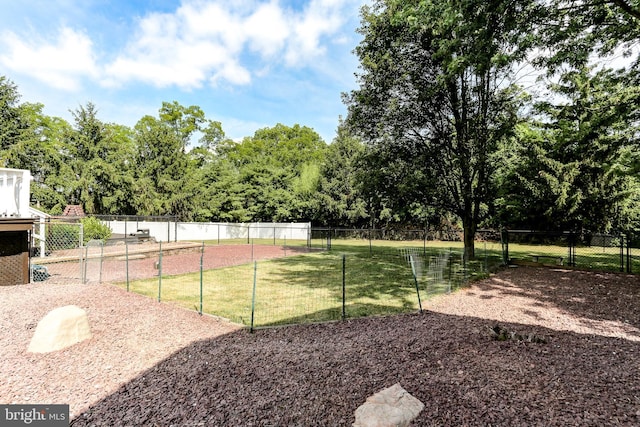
377	279
294	289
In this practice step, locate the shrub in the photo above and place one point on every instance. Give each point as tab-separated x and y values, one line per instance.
93	229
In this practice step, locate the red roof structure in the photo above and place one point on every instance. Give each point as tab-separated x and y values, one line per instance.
73	210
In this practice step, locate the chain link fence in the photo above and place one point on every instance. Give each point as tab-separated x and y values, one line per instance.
352	275
57	252
590	251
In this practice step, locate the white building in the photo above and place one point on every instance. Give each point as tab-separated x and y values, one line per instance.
14	193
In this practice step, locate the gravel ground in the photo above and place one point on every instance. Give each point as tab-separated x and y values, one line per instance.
142	260
151	364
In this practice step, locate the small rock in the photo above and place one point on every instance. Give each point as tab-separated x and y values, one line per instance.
60	328
391	407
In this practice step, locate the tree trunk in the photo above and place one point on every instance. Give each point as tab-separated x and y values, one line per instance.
469	227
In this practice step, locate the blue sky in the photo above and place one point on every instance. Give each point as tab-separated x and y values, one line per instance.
249	64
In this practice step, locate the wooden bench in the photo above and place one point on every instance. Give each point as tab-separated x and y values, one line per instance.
536	258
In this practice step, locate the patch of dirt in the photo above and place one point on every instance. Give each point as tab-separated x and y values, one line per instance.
153	364
116	263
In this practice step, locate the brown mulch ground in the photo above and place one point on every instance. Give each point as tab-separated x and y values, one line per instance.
154	364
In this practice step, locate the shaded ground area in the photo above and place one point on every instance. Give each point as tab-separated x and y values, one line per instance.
202	372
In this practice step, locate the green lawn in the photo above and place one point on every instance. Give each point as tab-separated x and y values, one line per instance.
378	280
307	288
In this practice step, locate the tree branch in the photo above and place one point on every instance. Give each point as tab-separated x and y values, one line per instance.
627	8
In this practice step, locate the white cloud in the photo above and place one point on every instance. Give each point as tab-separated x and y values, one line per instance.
233	73
267	29
320	18
208	41
60	64
202	42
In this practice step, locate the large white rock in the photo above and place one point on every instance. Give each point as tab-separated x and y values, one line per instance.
391	407
60	328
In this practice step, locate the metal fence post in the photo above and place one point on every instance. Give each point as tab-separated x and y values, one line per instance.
504	239
344	286
126	261
621	253
83	263
160	271
253	296
424	243
201	264
628	254
415	281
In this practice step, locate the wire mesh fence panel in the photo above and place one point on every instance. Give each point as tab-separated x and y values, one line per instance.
539	247
379	282
227	292
227	280
299	289
488	257
93	262
58	253
600	252
438	276
581	250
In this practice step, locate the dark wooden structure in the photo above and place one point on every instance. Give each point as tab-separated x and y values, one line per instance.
14	250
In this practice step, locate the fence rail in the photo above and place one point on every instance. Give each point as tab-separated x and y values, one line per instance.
267	285
340	274
592	251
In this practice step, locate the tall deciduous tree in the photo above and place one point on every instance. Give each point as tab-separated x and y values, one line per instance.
434	93
184	121
277	172
571	32
571	167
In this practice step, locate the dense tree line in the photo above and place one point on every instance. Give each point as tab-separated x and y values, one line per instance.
445	121
440	130
180	163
